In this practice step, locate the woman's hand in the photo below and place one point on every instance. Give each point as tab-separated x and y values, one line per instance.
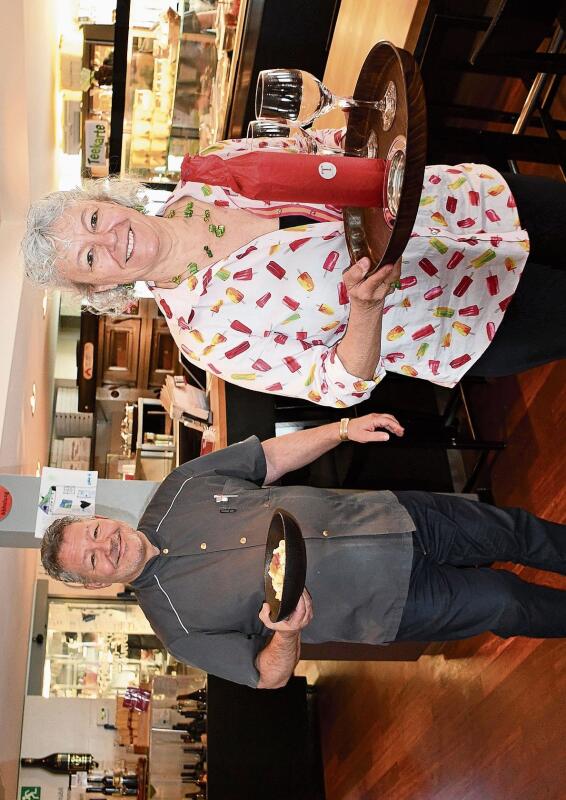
297	619
364	429
368	294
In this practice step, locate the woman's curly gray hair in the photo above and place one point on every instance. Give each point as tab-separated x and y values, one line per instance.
39	245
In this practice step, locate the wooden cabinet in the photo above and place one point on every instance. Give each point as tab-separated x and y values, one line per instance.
136	349
121	350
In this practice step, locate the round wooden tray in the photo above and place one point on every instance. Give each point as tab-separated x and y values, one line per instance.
374	232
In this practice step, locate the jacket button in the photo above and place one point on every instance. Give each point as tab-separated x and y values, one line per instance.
243	540
203	546
325	533
165	551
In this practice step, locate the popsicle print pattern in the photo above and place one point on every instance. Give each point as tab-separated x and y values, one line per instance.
272	314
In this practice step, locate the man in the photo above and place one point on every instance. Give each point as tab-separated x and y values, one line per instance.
381	566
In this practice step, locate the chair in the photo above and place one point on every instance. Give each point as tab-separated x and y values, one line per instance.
455	52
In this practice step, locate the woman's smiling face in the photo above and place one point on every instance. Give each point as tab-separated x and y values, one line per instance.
102	244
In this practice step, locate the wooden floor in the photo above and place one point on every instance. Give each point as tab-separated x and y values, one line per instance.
483	719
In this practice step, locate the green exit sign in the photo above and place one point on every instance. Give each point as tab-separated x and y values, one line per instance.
30	793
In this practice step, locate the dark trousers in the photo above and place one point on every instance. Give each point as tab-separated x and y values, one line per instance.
454	595
533	330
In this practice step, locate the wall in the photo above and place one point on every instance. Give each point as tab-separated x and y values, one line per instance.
63	725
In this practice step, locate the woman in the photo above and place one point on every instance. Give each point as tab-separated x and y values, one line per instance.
273	310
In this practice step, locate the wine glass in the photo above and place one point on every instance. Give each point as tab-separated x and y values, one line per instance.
297	96
261	129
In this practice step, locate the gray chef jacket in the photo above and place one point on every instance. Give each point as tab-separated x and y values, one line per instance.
209	519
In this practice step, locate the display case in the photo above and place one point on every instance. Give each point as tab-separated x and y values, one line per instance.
96	649
177	79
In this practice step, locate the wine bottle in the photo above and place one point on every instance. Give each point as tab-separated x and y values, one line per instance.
62	762
199	694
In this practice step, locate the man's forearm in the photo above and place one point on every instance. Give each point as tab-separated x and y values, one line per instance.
278	659
360	347
295	450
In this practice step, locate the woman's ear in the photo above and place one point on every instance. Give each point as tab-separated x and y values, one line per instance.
104	288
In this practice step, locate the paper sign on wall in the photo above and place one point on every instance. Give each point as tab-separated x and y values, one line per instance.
95	142
65	493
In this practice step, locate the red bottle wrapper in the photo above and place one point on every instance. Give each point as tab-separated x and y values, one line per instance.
295	177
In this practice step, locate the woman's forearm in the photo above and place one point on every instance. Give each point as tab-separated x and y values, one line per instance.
360	347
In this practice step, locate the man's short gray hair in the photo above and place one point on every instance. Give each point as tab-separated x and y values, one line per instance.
39	245
51	548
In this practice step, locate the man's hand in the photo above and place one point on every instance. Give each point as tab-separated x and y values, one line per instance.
295	622
364	429
368	294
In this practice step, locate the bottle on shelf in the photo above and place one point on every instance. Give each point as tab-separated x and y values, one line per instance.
198	694
62	762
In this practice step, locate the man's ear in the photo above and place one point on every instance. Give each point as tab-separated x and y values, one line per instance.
97	585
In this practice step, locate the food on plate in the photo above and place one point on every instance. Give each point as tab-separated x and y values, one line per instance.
277	569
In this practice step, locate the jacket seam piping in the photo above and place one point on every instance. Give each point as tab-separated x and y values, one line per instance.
173	501
171	604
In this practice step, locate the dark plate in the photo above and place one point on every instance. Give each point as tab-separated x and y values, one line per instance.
371	231
284	526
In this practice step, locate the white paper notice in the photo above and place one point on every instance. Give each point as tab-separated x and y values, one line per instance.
64	493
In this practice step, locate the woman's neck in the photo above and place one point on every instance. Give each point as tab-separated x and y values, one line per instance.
202	238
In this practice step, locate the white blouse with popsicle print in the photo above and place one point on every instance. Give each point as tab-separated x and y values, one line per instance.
269	316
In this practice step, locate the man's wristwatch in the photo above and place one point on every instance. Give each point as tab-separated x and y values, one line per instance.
343	431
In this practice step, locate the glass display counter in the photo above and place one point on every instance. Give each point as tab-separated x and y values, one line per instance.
96	649
177	85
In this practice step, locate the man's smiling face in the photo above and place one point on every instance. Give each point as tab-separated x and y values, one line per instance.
104	551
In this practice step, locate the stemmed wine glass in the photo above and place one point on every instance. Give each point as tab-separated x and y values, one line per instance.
295	95
261	129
